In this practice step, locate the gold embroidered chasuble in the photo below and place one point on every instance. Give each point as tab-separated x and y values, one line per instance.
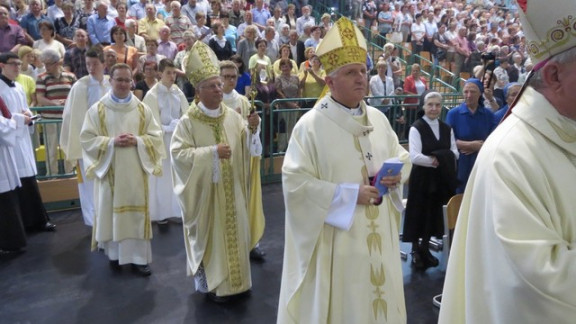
242	106
121	173
512	259
332	275
213	196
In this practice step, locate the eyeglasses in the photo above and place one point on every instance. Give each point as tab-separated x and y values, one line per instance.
123	80
51	63
229	77
15	63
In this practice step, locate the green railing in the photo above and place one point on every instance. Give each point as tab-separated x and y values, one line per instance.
278	120
50	160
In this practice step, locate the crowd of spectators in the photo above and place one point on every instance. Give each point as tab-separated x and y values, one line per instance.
261	33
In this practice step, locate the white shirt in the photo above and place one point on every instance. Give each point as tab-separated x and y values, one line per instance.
415	144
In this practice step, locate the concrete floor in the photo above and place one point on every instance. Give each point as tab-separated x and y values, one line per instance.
58	280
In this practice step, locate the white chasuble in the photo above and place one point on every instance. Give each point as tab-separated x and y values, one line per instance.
513	257
216	225
332	275
121	173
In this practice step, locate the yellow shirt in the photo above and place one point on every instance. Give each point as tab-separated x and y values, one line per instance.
29	86
312	89
150	27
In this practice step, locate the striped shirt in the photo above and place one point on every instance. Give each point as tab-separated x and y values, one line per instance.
177	27
54	89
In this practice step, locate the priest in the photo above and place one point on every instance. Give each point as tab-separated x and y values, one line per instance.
122	145
211	149
341	254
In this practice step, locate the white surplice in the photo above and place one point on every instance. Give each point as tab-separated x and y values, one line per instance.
15	99
84	93
167	105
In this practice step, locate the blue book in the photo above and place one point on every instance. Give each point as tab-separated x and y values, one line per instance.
390	167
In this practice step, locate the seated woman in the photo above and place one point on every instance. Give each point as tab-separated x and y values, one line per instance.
285	53
219	44
433	154
260	61
126	54
150	79
48	40
151	55
66	26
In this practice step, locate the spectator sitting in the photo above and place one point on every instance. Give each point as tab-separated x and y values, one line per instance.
314	40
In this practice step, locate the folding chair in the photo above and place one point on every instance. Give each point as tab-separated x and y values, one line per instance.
451	210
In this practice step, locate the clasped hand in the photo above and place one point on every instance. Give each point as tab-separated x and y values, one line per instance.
125	140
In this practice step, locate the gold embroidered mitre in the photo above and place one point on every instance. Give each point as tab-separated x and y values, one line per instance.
343	44
549	27
201	63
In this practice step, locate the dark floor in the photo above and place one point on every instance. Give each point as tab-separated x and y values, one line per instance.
58	280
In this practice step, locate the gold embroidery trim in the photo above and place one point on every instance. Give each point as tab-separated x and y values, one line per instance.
231	222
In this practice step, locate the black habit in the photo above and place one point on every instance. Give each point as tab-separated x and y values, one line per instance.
430	188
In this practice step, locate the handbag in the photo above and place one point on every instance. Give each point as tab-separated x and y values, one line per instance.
396	37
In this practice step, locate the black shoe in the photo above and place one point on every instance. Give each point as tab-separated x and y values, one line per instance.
230	298
218	299
418	261
257	254
115	266
429	259
141	269
162	222
48	227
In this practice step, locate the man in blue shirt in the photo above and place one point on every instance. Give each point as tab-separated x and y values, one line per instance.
138	10
260	14
99	26
30	21
471	123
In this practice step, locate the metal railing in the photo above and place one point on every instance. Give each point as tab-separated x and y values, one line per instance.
278	120
50	160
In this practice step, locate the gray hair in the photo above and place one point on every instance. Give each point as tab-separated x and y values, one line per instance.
432	95
129	23
569	56
50	56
